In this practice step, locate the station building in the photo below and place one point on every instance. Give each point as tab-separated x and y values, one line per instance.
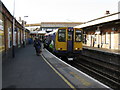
46	27
103	32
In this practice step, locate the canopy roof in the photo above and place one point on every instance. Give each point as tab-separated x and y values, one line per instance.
100	20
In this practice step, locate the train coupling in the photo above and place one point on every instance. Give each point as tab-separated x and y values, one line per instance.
70	59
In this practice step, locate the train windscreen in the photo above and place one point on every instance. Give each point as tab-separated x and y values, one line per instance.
78	36
62	35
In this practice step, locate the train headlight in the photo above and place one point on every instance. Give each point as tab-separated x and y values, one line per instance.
77	48
59	48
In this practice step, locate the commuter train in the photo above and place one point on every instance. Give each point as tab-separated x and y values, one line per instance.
65	42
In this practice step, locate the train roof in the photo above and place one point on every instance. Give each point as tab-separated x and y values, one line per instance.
38	32
69	27
50	33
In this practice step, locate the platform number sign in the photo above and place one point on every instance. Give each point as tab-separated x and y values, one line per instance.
9	37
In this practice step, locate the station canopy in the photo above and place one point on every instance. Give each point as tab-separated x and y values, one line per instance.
100	20
59	24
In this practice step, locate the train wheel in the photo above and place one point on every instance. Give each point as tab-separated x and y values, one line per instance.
64	58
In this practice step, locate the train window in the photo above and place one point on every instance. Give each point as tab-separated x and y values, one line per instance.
61	35
69	37
78	36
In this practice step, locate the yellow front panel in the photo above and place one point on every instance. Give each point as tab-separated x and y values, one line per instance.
62	45
78	45
59	45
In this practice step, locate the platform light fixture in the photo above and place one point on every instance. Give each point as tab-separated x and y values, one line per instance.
114	29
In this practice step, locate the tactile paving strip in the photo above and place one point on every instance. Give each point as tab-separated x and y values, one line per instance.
60	65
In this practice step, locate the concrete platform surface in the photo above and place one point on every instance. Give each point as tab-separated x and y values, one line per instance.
27	70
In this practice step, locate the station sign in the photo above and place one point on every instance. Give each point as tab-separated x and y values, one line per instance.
97	32
1	26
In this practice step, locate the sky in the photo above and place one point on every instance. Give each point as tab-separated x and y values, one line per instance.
60	10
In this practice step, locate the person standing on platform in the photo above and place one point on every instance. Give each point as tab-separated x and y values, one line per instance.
37	45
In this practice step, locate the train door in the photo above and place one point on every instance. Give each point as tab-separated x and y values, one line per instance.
70	39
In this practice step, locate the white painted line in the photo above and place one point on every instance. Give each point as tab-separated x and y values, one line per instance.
79	71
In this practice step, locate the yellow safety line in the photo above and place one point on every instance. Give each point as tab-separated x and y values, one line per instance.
59	74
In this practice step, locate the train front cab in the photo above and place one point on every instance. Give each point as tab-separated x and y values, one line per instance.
78	36
68	42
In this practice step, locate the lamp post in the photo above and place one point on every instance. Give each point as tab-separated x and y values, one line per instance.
98	33
24	34
13	28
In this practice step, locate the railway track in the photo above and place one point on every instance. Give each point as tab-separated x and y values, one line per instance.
105	72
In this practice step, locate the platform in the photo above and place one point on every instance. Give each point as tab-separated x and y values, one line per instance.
27	70
110	51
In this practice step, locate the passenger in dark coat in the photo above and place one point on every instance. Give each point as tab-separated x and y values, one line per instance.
37	45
